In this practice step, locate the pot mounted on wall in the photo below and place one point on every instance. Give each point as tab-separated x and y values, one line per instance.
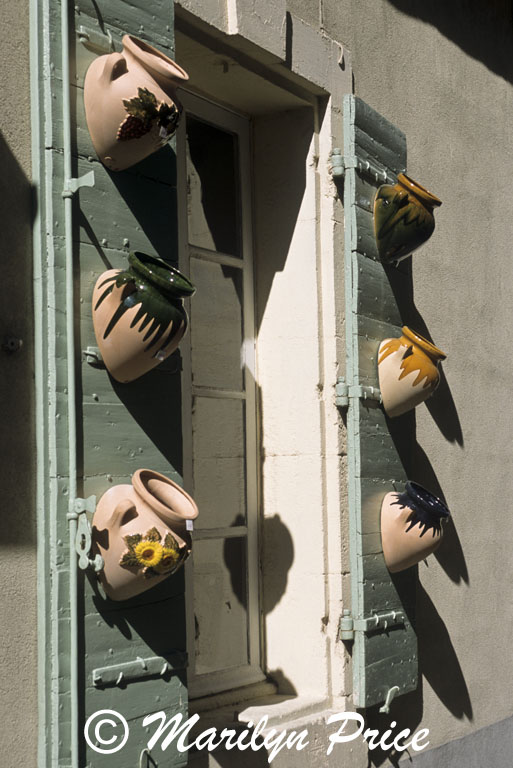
411	526
408	371
130	103
403	218
138	315
141	532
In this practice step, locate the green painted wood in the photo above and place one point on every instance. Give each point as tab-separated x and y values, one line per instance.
152	22
120	427
381	658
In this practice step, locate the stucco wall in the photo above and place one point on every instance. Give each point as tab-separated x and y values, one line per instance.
18	633
442	73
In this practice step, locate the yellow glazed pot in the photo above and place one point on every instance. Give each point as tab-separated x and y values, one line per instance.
140	530
403	217
130	103
411	526
408	371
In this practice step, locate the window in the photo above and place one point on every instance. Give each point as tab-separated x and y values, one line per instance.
219	403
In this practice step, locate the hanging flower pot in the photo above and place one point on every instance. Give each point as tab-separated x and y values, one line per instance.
403	218
130	103
138	315
411	526
140	530
408	371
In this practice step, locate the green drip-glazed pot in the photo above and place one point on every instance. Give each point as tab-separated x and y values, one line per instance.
403	218
138	315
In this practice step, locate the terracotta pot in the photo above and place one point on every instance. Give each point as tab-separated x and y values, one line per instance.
140	531
408	371
130	103
403	218
138	315
411	526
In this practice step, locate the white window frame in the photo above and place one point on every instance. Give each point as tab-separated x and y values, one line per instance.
207	111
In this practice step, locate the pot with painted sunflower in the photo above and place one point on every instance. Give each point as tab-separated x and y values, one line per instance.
408	371
141	532
411	526
403	218
138	315
130	102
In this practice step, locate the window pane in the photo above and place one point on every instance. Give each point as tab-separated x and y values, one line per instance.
216	326
219	463
213	188
220	604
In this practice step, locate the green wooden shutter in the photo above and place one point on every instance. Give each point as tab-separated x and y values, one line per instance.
131	654
385	647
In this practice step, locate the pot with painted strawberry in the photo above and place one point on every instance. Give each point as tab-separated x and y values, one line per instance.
407	371
130	102
138	315
411	526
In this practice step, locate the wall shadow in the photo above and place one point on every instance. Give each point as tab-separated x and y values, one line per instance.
440	405
482	30
18	206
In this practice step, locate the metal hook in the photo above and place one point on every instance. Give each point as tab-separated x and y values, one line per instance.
149	757
390	696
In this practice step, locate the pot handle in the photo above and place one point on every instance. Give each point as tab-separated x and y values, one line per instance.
121	509
114	67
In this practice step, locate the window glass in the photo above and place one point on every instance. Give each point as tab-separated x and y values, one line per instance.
212	187
216	326
220	604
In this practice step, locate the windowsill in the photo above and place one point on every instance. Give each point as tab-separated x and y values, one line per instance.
219	711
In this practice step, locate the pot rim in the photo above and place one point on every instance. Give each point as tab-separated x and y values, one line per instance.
434	352
425	503
418	190
154	59
175	284
139	481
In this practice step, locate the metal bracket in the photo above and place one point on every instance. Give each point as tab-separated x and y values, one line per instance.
95	40
374	171
93	356
377	621
344	392
139	669
78	511
72	186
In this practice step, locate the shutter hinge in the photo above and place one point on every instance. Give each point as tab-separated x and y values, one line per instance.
374	171
139	669
72	186
344	392
380	621
78	510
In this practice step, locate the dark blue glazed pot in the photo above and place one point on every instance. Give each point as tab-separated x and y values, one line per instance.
411	526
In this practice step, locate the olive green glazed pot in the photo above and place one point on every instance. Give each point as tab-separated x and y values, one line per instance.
138	315
403	218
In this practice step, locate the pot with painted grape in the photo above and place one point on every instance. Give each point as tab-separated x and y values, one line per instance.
141	532
138	315
130	102
403	218
408	371
411	526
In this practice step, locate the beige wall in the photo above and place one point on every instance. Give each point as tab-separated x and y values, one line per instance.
18	633
444	78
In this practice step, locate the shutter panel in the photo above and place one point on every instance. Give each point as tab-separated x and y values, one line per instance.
385	649
135	650
120	428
